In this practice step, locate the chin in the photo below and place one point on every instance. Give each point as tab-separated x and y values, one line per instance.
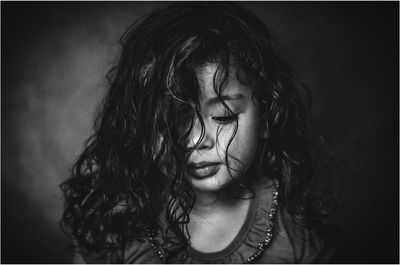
211	184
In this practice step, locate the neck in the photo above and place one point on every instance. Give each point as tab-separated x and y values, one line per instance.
216	219
208	203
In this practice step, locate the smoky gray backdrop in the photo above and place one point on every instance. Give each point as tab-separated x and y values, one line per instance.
54	60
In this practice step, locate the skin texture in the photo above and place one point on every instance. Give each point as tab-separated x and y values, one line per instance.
219	129
218	214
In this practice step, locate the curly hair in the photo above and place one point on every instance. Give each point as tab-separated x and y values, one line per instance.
133	166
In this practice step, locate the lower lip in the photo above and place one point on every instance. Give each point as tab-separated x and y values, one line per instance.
204	172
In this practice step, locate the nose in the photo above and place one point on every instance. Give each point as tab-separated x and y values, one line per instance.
205	136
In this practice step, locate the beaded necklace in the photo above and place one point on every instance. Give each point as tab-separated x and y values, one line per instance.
271	218
260	246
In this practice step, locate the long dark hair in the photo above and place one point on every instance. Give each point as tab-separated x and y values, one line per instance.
133	166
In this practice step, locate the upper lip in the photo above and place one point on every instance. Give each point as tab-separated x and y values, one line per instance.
202	164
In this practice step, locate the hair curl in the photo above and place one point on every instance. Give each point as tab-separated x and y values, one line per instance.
133	165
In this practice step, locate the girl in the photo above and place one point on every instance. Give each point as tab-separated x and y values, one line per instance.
202	151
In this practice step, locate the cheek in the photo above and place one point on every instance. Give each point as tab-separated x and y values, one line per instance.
243	146
246	144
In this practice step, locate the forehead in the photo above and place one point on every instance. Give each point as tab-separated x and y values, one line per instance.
210	79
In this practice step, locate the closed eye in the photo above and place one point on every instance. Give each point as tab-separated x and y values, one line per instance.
225	119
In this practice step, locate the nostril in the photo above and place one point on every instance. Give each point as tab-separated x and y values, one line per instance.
200	136
205	142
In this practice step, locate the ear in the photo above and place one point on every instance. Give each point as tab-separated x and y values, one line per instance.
264	129
263	134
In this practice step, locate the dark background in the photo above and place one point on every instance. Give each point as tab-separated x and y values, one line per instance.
54	59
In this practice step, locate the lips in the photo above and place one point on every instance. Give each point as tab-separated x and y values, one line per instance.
203	169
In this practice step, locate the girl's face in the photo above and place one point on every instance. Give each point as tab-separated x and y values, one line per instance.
207	167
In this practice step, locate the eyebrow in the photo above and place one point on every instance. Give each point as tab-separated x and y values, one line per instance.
216	100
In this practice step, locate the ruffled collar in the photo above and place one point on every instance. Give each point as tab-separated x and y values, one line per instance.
254	236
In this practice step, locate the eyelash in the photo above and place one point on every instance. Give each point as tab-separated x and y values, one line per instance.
225	119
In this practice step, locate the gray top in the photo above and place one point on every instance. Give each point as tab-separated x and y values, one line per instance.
289	244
